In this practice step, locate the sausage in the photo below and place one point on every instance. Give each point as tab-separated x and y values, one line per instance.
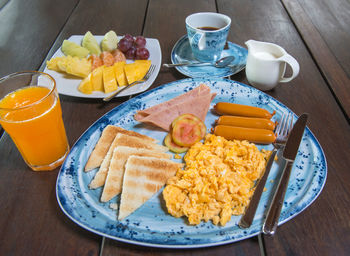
226	108
248	122
260	136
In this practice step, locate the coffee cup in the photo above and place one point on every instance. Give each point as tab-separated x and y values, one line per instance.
207	34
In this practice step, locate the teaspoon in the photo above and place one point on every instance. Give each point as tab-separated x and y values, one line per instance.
221	63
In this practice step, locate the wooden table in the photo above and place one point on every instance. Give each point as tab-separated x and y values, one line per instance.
316	33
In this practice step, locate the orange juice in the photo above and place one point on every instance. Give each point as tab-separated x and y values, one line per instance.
32	116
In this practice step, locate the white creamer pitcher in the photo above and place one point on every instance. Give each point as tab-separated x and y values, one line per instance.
266	64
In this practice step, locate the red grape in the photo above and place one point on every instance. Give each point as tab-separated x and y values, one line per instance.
124	45
130	54
140	41
142	53
129	37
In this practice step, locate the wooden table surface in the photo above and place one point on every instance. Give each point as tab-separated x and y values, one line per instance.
315	32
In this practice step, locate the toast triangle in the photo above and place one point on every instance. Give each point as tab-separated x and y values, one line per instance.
143	177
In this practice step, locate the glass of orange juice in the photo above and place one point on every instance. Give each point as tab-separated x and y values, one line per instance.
30	112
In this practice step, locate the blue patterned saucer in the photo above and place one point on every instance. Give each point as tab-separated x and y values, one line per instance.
182	53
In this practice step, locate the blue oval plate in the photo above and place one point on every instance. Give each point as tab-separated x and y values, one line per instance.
151	225
182	53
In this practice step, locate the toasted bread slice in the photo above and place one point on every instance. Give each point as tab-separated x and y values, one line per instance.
143	177
105	141
114	180
121	140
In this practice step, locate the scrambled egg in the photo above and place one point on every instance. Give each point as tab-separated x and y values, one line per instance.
217	182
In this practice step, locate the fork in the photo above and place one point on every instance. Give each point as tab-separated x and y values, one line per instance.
282	131
144	79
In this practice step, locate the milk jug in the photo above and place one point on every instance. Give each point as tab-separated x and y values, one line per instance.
266	64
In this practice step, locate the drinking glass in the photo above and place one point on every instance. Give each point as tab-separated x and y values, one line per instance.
30	112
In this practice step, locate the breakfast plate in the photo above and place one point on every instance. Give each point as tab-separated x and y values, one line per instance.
151	225
68	85
182	53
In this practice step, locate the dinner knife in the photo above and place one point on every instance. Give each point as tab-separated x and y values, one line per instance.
289	154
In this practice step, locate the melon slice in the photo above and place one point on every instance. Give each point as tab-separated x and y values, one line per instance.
97	79
85	86
109	41
137	70
73	49
90	43
119	73
109	81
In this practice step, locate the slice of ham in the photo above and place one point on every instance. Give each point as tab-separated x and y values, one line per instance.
197	106
202	89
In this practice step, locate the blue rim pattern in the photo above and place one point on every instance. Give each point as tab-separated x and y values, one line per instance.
182	53
151	225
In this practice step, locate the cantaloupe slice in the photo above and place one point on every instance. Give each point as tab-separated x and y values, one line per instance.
85	86
97	79
119	73
109	81
137	70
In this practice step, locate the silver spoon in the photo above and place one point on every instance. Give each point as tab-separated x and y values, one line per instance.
221	63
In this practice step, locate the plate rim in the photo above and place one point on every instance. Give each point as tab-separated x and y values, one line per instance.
188	74
200	245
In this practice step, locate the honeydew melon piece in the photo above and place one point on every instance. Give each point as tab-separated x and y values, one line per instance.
73	49
109	41
89	42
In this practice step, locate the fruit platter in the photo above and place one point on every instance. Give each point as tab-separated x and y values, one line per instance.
93	66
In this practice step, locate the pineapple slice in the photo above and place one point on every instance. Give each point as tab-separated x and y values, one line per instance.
78	67
63	62
71	65
52	64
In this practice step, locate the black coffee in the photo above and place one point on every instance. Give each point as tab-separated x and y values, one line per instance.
208	28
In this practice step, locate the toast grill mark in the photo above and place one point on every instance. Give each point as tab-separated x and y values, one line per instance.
143	177
113	184
104	143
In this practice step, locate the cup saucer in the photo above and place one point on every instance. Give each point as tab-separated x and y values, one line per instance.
182	53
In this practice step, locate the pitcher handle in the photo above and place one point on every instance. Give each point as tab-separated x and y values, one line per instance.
293	64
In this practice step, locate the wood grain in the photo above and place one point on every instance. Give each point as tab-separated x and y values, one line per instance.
30	218
331	54
28	30
30	213
307	93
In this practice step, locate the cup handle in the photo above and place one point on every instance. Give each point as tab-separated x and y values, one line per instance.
199	40
293	64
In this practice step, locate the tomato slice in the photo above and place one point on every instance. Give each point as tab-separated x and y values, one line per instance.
193	118
186	132
168	141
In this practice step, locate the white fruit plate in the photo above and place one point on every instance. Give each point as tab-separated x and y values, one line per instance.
68	85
